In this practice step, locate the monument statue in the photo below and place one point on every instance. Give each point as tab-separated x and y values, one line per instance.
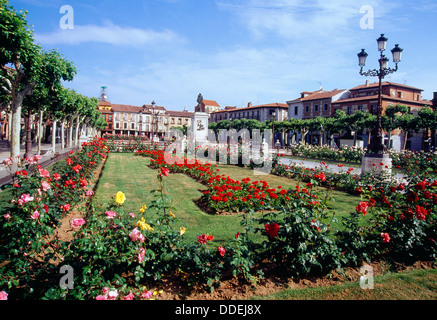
200	107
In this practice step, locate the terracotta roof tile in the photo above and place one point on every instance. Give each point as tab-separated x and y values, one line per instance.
386	83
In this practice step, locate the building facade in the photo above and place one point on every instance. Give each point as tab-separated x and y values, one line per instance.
365	98
262	113
148	120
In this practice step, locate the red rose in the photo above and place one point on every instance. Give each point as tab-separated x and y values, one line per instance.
221	251
272	229
165	171
362	207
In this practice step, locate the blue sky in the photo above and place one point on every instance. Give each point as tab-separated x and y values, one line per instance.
233	51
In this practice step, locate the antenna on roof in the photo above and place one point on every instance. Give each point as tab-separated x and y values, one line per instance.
321	86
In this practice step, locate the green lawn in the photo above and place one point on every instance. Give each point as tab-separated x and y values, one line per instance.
132	176
409	285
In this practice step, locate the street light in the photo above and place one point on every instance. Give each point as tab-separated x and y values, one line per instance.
273	127
376	149
376	146
153	121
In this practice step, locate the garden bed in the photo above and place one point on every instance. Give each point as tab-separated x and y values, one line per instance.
126	252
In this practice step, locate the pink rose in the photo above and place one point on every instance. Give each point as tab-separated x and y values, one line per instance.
44	173
35	215
3	295
146	295
137	235
45	185
110	214
130	296
141	255
77	223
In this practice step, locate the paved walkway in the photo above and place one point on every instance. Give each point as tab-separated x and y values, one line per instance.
47	158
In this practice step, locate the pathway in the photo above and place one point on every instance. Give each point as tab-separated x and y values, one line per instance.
46	159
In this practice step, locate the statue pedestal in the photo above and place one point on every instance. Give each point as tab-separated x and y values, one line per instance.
377	163
199	128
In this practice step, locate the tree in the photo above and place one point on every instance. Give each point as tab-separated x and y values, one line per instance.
389	120
406	123
428	121
53	69
19	51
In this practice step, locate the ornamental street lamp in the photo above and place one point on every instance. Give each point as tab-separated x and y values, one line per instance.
273	129
376	146
153	121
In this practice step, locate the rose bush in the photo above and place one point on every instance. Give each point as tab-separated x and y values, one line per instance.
40	199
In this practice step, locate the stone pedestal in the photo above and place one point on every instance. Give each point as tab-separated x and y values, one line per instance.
377	163
199	128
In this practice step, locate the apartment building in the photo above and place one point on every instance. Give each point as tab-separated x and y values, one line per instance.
262	113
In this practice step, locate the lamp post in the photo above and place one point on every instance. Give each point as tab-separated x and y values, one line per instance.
376	147
153	121
273	129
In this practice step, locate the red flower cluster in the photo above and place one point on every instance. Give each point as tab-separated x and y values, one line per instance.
272	229
203	239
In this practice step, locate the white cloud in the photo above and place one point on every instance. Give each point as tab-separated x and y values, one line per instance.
108	34
304	20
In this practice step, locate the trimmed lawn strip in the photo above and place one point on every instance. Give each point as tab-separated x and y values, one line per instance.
131	175
410	285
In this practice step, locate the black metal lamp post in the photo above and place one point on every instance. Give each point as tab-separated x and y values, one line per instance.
153	121
273	129
376	145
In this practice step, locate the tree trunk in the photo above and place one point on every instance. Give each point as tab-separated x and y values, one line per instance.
70	133
76	134
54	136
405	140
63	134
28	135
16	129
39	131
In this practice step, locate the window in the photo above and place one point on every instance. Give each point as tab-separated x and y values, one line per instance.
117	125
296	110
125	125
110	117
316	108
307	108
360	108
349	109
133	126
326	107
400	94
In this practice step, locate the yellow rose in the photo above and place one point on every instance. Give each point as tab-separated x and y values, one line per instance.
143	209
143	225
171	214
120	198
182	230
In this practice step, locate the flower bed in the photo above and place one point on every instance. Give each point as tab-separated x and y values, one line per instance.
410	162
120	255
40	199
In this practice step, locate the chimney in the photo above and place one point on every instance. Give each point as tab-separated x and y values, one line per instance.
367	83
249	104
